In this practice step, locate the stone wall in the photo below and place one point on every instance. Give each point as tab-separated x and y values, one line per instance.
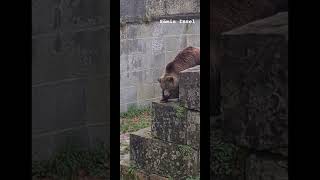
146	45
70	74
254	89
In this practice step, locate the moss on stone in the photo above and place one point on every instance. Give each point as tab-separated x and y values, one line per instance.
180	111
185	150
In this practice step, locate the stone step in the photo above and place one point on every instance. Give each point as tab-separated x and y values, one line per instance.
174	123
130	172
254	72
189	88
163	158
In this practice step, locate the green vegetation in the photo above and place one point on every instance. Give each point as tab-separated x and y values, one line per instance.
185	150
132	169
180	111
68	162
193	178
134	119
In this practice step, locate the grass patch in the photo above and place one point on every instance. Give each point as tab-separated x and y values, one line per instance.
193	178
134	119
68	162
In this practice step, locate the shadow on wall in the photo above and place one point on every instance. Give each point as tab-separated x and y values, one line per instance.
222	19
70	75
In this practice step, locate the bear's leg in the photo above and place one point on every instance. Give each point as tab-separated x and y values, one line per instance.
164	99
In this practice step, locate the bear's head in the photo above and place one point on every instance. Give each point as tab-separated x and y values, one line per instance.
169	84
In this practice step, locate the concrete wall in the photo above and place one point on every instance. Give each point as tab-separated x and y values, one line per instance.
146	45
70	74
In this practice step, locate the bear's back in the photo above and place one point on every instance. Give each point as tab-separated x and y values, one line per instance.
187	58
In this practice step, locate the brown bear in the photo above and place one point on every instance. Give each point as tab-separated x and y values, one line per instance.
169	81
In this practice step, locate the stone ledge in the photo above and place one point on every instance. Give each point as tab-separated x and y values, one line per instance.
254	76
129	172
274	25
174	123
189	88
165	159
148	10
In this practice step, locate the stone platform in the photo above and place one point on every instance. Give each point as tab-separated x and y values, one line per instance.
175	123
159	157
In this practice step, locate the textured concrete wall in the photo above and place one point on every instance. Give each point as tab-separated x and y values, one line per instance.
70	74
146	45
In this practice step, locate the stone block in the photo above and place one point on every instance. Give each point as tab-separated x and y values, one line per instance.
59	106
136	46
158	60
123	32
182	7
156	73
98	134
132	8
193	40
123	107
98	100
130	172
128	95
77	137
155	45
71	104
193	28
254	72
145	91
165	159
48	15
123	47
132	63
171	29
139	31
43	109
129	79
172	43
42	147
189	88
155	8
174	123
265	169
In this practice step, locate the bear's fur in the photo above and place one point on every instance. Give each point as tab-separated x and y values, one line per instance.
169	81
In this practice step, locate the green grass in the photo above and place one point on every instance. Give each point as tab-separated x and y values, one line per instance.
193	178
66	163
134	119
